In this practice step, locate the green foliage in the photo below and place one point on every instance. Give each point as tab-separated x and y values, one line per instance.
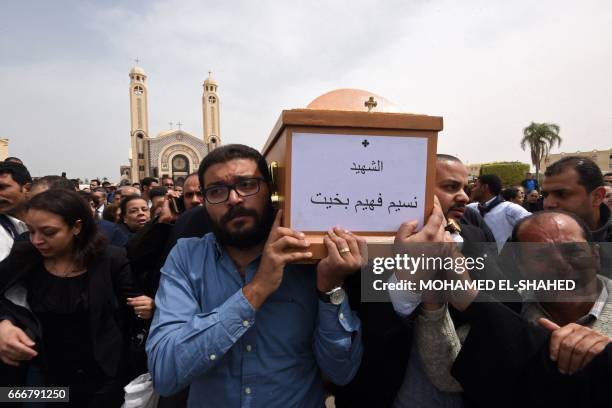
511	173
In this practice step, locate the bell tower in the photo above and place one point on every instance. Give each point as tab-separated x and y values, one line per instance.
139	125
210	113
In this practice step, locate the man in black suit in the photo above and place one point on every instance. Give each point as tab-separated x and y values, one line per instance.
387	334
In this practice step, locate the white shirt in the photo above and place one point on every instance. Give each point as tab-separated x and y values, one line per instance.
100	211
502	219
405	302
6	241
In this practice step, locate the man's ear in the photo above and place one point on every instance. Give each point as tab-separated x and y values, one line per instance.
598	195
28	186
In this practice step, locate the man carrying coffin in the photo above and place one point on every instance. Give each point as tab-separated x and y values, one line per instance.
389	366
236	319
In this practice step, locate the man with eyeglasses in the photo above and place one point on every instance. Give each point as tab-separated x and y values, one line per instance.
167	182
237	319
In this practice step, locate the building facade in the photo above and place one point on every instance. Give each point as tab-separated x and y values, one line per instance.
3	149
173	153
603	158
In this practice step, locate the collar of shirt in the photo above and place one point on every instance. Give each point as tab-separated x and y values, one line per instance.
487	203
533	310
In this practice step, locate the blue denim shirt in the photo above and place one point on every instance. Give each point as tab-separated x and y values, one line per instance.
206	335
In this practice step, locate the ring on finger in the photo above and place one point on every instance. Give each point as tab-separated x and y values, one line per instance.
344	250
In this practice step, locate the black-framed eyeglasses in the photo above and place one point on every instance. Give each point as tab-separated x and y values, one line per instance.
218	194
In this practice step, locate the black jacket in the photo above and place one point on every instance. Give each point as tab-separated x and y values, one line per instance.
110	283
387	338
504	362
148	248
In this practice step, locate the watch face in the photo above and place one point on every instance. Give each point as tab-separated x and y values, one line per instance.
337	296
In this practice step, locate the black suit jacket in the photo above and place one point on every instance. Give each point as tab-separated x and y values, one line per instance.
148	248
505	362
386	341
110	283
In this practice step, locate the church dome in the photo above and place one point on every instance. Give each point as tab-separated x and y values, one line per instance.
352	100
210	80
137	70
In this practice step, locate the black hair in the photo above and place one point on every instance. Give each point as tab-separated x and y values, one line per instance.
229	152
493	181
159	191
509	193
88	197
607	174
586	232
72	207
13	159
47	182
110	212
146	182
96	180
106	183
54	183
589	174
123	205
18	172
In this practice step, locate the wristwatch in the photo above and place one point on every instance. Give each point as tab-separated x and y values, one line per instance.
334	296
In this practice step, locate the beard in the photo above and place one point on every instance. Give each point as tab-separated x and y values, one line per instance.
243	238
455	207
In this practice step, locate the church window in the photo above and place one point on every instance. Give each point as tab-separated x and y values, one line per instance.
141	168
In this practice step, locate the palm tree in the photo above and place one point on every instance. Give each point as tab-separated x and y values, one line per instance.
540	137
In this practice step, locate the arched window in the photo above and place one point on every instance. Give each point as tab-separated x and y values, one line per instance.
140	145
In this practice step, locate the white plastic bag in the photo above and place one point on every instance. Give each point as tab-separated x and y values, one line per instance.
139	393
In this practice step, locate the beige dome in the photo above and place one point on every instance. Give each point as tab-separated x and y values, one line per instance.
210	80
137	70
352	100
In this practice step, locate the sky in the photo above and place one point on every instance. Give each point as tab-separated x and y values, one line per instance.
488	68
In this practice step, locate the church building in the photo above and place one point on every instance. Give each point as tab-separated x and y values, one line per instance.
175	153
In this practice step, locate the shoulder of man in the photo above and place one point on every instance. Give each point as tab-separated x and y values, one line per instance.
191	245
472	233
515	209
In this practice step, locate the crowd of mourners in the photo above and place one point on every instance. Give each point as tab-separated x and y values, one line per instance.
197	282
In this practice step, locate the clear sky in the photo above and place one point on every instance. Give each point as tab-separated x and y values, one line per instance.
488	67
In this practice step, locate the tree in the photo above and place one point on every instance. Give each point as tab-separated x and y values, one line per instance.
540	137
